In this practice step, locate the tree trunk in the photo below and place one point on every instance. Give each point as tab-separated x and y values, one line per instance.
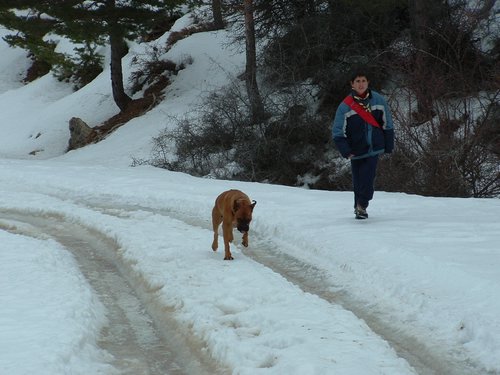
217	12
257	107
121	99
118	50
420	26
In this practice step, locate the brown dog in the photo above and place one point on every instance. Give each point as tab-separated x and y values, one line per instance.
234	210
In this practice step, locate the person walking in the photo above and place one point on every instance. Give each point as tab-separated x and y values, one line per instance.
362	129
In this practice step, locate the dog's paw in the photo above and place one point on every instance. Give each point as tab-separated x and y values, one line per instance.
228	257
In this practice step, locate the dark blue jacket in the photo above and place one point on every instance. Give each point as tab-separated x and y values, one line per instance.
352	135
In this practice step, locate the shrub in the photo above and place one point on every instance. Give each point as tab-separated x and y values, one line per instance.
454	154
291	148
153	71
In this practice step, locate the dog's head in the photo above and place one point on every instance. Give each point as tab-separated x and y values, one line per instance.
243	214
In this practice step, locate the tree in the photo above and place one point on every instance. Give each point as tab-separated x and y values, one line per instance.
446	59
30	27
96	21
119	20
217	13
256	105
421	22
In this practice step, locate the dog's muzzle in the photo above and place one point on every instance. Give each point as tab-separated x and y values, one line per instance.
243	227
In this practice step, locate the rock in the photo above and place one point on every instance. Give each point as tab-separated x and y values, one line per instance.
80	133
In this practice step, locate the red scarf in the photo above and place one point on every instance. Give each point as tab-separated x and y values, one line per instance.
367	116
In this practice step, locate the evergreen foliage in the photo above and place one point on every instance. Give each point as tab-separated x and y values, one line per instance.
30	25
88	24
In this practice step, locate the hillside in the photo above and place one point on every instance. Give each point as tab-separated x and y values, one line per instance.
26	110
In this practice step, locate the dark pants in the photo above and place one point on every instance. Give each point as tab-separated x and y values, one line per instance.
363	177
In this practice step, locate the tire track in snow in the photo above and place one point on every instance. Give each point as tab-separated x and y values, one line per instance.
140	336
427	358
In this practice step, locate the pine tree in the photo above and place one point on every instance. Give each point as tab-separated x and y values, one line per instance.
29	24
114	20
87	22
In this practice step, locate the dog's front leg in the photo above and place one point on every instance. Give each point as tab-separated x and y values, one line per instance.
227	229
245	239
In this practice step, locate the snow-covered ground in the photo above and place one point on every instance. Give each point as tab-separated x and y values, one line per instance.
335	299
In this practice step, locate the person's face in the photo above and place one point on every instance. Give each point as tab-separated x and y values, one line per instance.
360	85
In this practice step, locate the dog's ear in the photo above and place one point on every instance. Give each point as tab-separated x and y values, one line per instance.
253	204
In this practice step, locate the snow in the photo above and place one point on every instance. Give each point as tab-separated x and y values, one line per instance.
427	266
42	288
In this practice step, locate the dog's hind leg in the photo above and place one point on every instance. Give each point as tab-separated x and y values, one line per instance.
216	220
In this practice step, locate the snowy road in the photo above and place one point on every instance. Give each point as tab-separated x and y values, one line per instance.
138	343
426	358
308	297
144	339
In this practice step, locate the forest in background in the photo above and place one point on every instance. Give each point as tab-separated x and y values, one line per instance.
437	62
